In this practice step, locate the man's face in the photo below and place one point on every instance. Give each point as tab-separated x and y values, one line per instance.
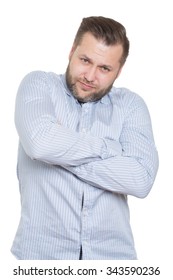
93	68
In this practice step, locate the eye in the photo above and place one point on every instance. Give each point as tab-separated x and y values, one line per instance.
84	60
105	69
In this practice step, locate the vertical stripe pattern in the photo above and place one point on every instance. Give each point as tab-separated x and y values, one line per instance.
76	166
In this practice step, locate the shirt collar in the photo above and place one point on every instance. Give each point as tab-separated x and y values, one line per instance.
63	79
105	99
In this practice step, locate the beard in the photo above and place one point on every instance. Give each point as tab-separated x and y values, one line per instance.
90	97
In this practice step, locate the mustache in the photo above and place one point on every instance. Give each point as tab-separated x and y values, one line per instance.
87	83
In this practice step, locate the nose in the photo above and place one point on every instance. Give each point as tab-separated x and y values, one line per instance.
90	74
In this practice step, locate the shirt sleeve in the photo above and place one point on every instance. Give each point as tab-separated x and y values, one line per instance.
133	171
40	133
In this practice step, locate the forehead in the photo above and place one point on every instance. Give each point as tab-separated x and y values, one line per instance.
97	50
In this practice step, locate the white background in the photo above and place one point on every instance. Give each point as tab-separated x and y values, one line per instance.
37	35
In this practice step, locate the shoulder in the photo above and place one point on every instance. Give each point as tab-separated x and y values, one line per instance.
126	98
39	81
38	84
41	76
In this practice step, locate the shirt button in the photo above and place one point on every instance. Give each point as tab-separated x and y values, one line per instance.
85	212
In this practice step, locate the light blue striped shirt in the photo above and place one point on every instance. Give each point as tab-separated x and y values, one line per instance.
77	163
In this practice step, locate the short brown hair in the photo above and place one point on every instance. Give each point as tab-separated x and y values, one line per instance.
110	31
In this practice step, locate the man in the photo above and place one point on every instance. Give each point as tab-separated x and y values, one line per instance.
84	147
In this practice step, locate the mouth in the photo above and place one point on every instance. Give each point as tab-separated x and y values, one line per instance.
86	86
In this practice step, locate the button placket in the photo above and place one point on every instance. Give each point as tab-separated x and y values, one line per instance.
85	124
85	118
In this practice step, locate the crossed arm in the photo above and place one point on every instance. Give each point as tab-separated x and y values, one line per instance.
128	166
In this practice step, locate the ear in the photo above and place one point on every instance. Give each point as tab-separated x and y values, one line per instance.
71	52
119	72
